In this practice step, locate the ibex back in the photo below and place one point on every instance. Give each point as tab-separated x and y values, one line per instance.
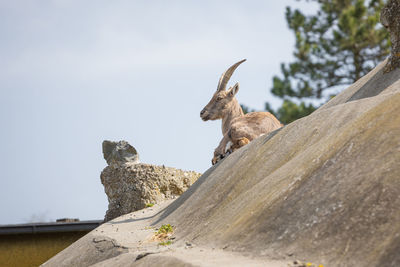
238	129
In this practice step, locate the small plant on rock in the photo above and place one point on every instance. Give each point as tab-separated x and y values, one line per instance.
165	243
165	229
163	234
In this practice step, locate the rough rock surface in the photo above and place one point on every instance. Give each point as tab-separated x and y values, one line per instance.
129	242
130	187
324	189
119	153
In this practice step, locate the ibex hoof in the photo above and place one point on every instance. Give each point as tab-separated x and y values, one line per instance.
243	141
216	159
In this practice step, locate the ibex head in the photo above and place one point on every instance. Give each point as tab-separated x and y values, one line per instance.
221	100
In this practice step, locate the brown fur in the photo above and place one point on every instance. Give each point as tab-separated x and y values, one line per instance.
237	128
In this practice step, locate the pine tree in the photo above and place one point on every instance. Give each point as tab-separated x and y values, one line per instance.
334	48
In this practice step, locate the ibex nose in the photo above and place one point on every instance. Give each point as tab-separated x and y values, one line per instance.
202	112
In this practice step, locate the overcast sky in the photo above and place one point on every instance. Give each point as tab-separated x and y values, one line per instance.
74	73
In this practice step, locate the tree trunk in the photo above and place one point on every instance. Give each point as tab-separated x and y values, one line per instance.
390	18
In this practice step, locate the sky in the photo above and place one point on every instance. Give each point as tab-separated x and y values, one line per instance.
74	73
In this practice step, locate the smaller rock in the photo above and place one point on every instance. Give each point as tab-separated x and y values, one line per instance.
119	153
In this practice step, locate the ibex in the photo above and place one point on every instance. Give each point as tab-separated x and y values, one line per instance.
238	129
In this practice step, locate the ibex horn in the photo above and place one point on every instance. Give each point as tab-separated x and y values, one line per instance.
227	75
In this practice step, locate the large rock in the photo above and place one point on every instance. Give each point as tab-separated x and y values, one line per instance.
324	189
131	186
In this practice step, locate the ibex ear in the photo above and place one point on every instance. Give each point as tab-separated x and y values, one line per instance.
234	90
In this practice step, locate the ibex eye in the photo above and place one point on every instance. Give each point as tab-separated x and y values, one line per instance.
219	98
